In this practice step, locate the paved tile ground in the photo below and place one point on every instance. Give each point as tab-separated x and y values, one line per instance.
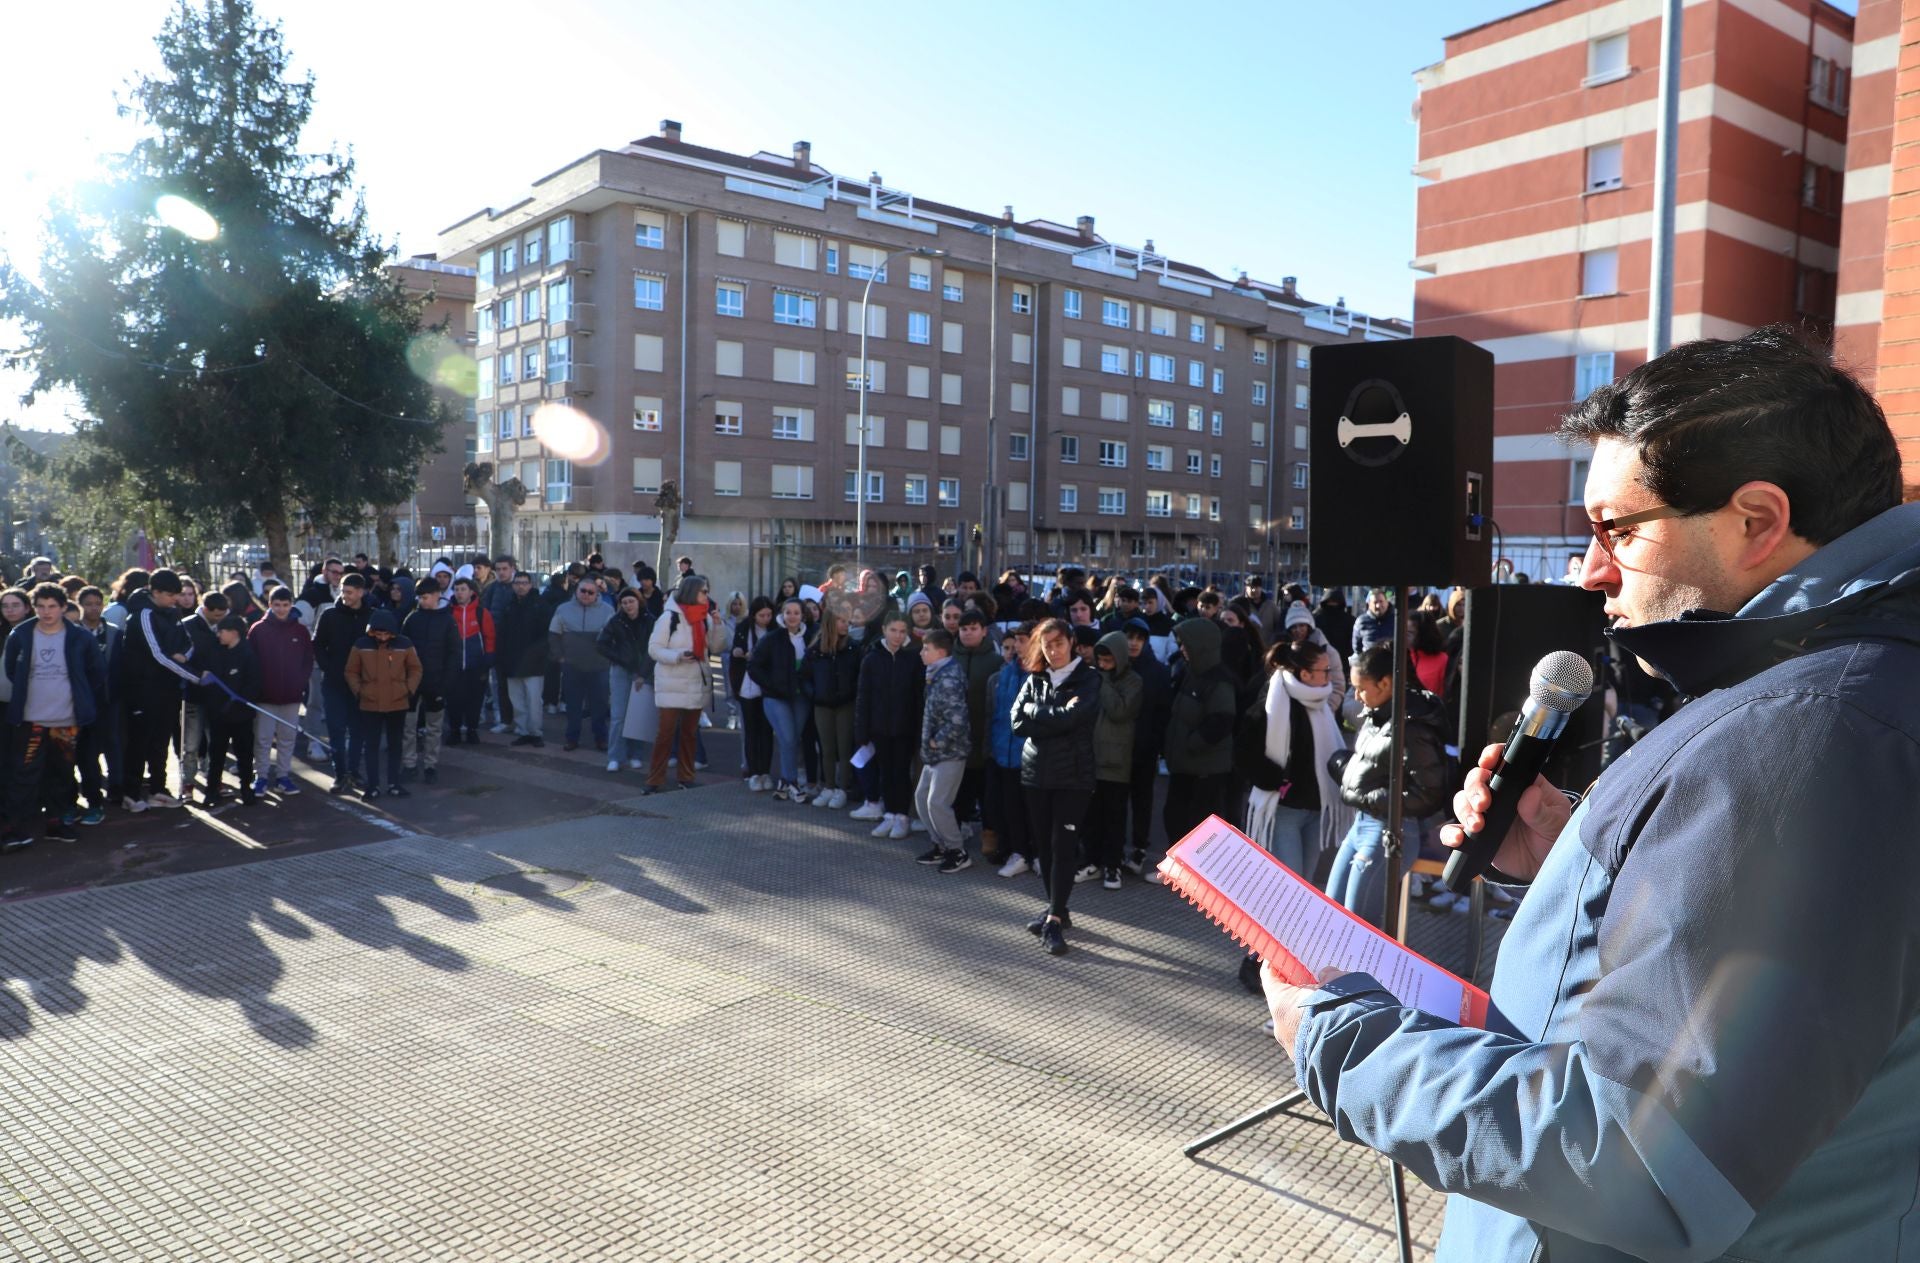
697	1026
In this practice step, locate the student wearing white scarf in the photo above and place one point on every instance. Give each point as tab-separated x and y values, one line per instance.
1287	819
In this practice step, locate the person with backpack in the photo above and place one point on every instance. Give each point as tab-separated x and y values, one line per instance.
1199	750
832	670
1058	706
1122	698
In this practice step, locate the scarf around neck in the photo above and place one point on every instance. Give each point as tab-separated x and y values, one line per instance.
696	616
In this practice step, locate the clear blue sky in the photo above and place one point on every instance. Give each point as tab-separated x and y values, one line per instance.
1272	137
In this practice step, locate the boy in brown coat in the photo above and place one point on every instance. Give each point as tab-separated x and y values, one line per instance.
384	673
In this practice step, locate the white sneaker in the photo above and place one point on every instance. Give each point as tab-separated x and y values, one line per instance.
900	829
613	765
1090	873
163	799
825	798
759	784
636	765
865	811
1016	864
553	710
134	804
497	729
917	825
839	799
1153	875
885	828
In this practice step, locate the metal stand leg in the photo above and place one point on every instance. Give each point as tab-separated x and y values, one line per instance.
1240	1124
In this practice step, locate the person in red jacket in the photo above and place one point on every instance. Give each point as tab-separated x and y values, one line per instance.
475	627
284	650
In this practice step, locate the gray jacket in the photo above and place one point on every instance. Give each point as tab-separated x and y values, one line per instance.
945	730
574	634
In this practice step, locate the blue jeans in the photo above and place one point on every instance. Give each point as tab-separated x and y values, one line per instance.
1295	838
1359	878
584	693
343	733
789	719
619	693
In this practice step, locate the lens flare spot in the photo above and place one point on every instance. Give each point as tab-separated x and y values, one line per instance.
185	218
571	434
437	360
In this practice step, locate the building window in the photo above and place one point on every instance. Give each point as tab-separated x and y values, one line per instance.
1193	506
792	482
795	250
833	258
1606	59
484	269
1113	359
530	247
1159	504
1300	475
1219	424
507	369
866	263
1830	85
1257	474
1301	397
916	488
1590	372
482	440
1069	401
1114	311
509	257
1300	436
1160	413
560	240
1259	351
1160	368
1113	406
1069	498
559	359
1159	459
559	481
1599	273
726	419
790	308
1160	321
526	422
1069	450
920	274
950	388
1302	355
793	424
876	430
1219	337
483	322
726	477
1260	392
1193	461
1219	381
949	440
1196	329
919	328
649	230
1257	434
949	493
876	485
1016	447
1070	352
1297	520
793	366
506	423
646	413
1196	374
730	238
560	301
1605	168
1113	454
1196	418
1113	501
728	358
953	285
649	292
1022	304
646	473
1070	304
1140	548
729	299
1213	465
1017	497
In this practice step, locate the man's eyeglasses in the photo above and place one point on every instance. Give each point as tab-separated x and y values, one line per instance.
1605	529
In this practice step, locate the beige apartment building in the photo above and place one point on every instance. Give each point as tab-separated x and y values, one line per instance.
1070	398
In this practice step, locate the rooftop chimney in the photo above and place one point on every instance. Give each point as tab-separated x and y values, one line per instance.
670	130
875	180
1287	285
1085	225
802	155
1242	282
1149	245
1006	216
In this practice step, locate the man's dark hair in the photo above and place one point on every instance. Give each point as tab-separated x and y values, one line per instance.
88	591
967	576
164	580
47	592
215	601
1709	416
939	638
1375	661
426	586
595	559
280	594
973	618
1124	592
354	579
504	559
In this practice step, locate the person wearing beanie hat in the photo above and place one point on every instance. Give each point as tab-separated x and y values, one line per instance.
1301	626
920	614
383	672
231	674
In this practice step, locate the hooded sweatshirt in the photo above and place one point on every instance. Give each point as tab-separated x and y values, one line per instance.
1200	722
1123	696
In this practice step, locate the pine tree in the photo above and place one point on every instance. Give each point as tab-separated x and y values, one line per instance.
260	373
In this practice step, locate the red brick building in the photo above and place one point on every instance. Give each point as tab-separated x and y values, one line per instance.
1534	227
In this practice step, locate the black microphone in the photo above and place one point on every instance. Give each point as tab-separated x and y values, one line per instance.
1560	683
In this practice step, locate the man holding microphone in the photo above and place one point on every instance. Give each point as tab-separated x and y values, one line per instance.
1703	1041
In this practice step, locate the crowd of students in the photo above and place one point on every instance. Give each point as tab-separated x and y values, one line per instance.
1027	729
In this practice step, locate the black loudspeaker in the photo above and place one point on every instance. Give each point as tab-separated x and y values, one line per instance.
1402	463
1509	629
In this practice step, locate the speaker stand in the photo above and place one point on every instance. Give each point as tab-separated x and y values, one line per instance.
1391	923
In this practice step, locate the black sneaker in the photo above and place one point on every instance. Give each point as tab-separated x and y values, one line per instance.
13	842
956	860
1052	939
340	786
431	775
370	793
1250	975
936	855
399	791
522	740
1135	863
1110	878
1038	925
539	743
58	832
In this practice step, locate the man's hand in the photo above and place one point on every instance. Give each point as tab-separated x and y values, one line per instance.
1284	1000
1543	813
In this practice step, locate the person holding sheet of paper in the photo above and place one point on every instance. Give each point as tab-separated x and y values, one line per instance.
1703	1041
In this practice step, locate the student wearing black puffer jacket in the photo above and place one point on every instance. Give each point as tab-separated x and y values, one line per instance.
887	713
1055	711
832	675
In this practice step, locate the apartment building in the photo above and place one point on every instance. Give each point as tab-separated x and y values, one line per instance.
1536	145
1077	399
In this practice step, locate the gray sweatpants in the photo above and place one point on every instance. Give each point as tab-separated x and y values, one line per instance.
266	733
933	799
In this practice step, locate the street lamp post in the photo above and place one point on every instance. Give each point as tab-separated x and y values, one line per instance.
860	474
